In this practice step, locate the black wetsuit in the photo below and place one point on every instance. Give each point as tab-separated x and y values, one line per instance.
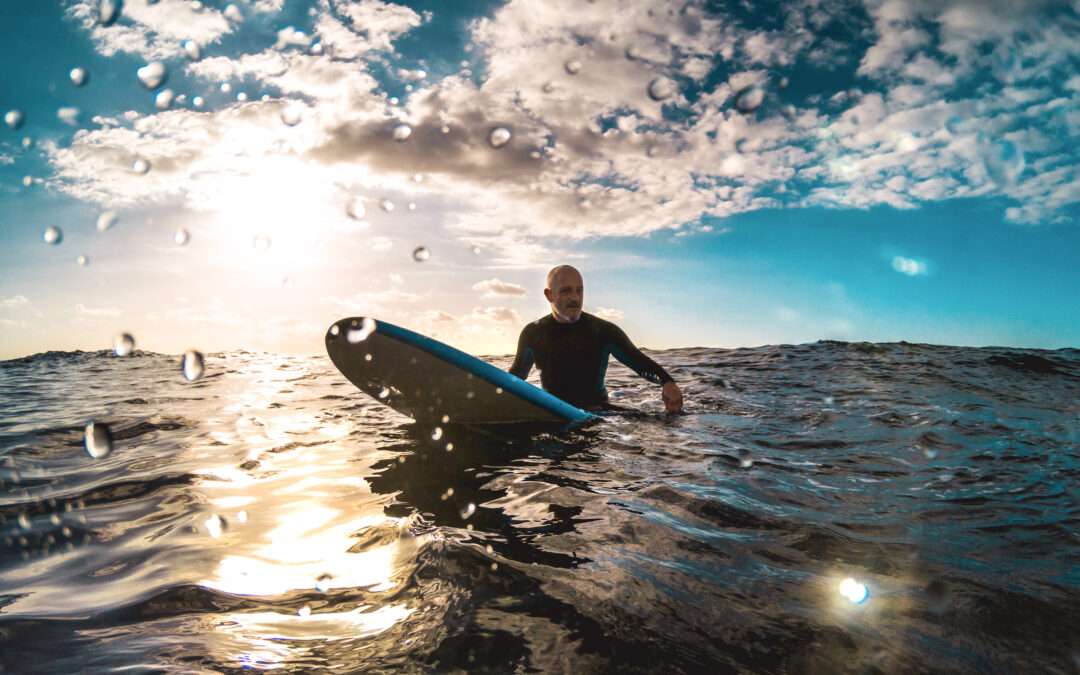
573	357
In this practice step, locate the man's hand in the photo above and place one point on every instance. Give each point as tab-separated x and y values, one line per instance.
672	396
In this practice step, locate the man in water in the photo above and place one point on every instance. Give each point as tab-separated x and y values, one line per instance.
571	348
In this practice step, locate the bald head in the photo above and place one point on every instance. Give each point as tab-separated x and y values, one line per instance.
565	291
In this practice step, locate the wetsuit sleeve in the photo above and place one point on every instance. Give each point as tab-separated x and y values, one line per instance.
632	357
523	360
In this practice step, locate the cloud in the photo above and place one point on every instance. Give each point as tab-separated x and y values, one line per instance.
495	287
154	31
609	313
495	314
97	311
14	302
909	266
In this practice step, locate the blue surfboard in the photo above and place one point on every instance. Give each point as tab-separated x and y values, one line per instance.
430	381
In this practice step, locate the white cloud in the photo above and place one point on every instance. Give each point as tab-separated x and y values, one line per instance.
609	313
495	287
14	302
154	31
97	311
909	266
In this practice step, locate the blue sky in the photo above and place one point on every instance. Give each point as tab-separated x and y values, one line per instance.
875	170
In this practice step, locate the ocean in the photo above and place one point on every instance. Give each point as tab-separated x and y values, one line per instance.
820	508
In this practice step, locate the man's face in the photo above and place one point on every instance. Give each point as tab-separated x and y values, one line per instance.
566	295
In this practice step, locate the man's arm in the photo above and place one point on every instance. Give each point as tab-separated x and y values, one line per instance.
523	360
629	355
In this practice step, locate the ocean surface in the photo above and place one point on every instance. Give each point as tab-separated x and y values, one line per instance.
269	516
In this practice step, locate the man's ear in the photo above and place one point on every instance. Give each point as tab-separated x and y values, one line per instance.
547	294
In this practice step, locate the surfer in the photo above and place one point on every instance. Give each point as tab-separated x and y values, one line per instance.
571	348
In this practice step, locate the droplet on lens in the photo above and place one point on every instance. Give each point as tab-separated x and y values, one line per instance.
355	208
402	132
748	100
82	260
384	392
661	88
225	88
198	101
53	235
69	115
412	206
291	114
14	119
572	67
304	611
215	525
420	254
358	332
322	584
24	521
97	438
164	99
79	76
436	433
153	74
140	166
108	11
123	344
192	49
181	237
192	365
232	13
387	205
467	512
499	137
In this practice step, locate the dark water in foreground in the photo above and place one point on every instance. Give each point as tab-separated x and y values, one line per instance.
944	479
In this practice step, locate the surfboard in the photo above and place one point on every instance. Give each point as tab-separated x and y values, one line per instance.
430	381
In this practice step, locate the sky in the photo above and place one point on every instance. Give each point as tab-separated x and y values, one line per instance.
240	175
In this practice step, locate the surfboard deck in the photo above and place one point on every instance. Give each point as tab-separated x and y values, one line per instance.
430	381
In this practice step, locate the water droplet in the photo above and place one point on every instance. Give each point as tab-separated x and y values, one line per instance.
140	166
261	242
548	87
494	567
153	74
449	447
359	331
498	390
420	254
930	453
355	208
97	438
418	178
24	522
14	119
828	400
745	460
232	13
291	114
54	519
79	76
225	88
69	115
53	235
367	357
82	260
108	11
181	237
304	611
241	97
783	83
192	49
192	365
467	512
335	330
316	49
387	205
854	591
215	525
402	132
123	344
164	99
445	129
436	433
412	206
633	52
322	584
241	516
572	67
198	101
499	137
748	100
27	142
27	181
393	100
661	88
475	250
384	392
